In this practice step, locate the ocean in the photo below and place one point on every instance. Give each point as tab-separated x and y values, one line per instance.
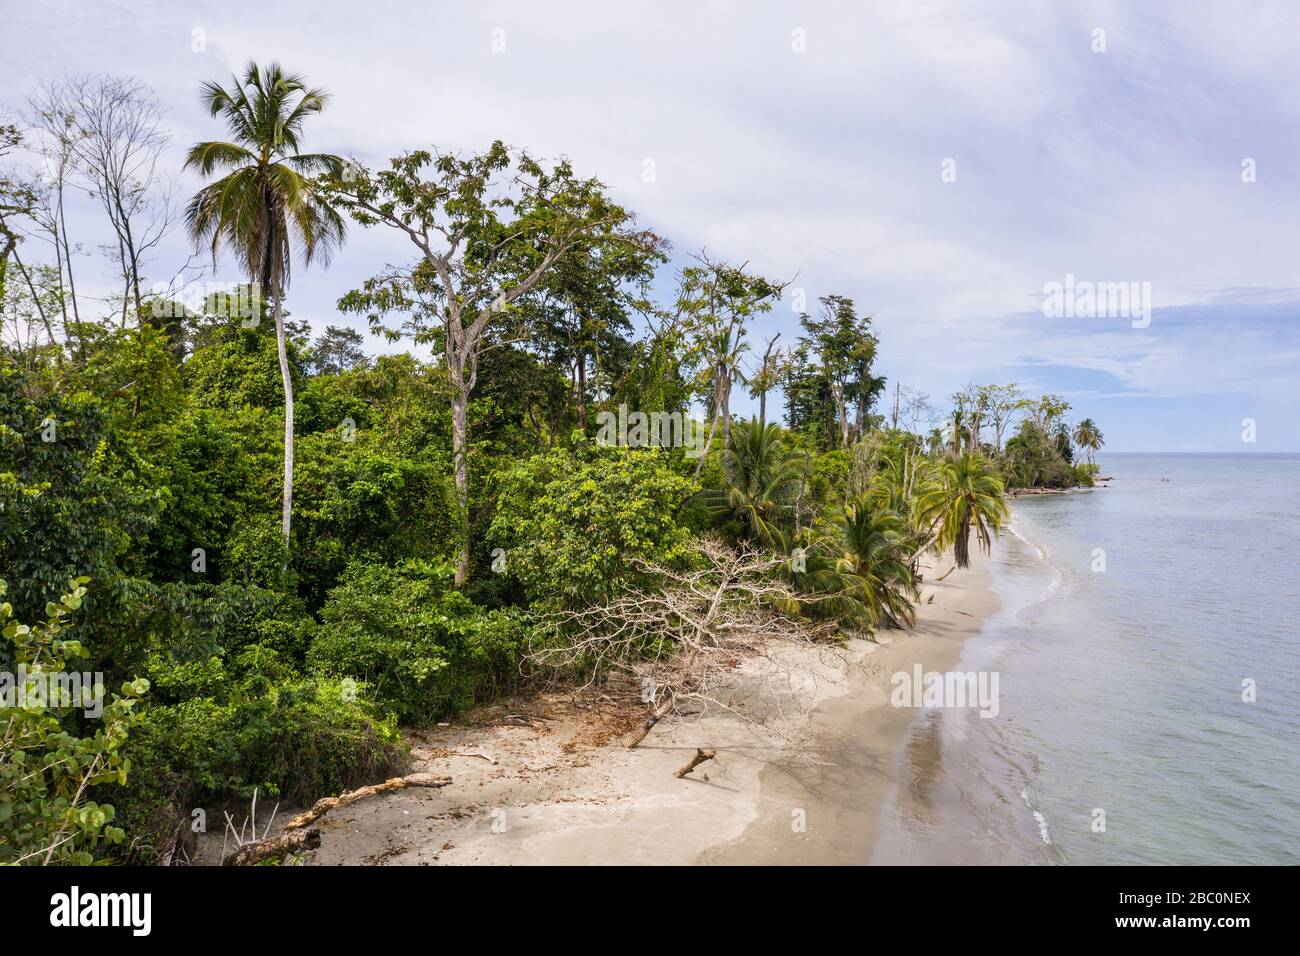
1135	619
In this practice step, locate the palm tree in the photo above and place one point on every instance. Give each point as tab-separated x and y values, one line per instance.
266	204
965	494
1087	436
763	478
861	562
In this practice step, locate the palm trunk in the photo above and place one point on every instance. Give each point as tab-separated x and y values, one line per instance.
286	504
927	546
961	547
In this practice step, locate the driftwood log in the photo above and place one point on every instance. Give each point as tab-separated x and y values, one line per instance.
290	841
294	838
326	804
699	758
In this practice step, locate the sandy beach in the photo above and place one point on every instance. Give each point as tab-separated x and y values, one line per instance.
554	785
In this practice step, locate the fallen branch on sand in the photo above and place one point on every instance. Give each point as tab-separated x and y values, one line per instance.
326	804
290	841
699	758
523	718
474	753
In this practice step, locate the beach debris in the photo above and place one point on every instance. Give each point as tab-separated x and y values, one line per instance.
276	847
526	719
699	758
249	828
474	753
709	618
325	804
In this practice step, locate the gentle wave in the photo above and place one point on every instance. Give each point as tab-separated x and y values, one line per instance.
1124	735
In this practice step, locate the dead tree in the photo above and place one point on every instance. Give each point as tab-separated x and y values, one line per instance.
684	638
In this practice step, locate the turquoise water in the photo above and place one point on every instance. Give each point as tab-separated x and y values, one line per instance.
1121	689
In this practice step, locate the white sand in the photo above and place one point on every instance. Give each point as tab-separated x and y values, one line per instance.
561	795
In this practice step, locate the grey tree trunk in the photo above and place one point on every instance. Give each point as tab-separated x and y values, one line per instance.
459	444
725	410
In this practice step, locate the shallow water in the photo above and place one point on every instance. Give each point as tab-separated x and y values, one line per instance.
1121	688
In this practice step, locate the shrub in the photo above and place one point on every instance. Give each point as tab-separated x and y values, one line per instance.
45	770
573	523
1084	473
1033	459
294	741
422	649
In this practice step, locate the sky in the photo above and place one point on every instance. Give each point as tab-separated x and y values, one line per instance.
942	164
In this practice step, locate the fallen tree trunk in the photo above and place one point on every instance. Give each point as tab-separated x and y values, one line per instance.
290	841
699	758
326	804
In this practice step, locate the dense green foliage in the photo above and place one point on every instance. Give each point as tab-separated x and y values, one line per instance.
422	649
572	525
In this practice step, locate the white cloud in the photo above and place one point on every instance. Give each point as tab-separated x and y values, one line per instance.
1116	166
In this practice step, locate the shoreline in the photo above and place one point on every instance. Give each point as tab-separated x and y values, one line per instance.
555	786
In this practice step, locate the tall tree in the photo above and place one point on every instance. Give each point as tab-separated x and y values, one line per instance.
338	350
719	301
1047	410
1002	402
18	202
830	373
580	313
54	132
268	204
916	409
116	136
488	228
